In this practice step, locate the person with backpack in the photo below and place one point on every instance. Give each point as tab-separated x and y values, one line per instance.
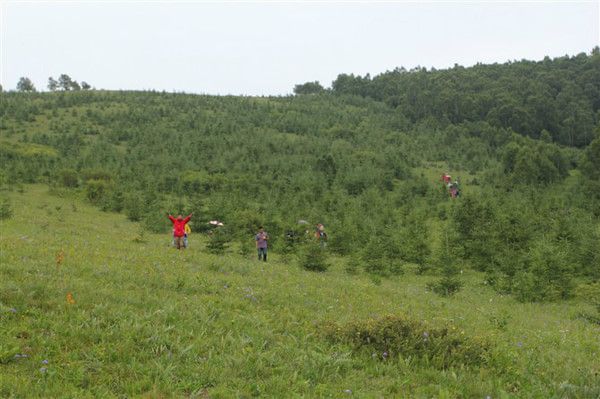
179	228
321	235
261	239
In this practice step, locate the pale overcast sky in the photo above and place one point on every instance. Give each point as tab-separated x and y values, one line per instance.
266	47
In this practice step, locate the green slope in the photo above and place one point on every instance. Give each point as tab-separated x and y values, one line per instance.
154	322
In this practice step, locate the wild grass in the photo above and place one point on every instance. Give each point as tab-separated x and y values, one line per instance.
146	320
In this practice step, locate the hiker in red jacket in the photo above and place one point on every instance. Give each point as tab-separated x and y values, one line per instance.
179	228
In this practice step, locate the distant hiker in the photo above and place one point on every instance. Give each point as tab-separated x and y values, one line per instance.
446	178
321	235
187	229
179	228
453	190
456	187
261	239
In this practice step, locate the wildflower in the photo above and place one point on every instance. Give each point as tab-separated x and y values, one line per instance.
70	299
43	370
45	361
425	335
12	310
60	257
385	355
348	391
519	344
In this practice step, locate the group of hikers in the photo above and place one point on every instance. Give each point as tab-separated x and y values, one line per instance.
181	229
453	187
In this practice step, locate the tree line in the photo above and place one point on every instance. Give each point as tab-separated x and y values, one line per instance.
64	83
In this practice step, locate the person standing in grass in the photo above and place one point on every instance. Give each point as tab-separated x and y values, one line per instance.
179	228
261	239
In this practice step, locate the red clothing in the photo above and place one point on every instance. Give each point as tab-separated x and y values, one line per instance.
179	225
446	178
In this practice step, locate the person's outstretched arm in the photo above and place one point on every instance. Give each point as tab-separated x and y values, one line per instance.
171	218
187	219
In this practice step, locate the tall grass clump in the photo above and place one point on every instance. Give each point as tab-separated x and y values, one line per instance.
396	336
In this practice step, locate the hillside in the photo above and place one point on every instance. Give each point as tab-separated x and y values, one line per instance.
491	291
151	321
528	214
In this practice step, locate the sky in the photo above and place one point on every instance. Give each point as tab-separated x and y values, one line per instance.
267	47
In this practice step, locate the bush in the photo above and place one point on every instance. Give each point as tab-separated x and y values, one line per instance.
342	241
591	294
218	241
114	201
589	255
446	261
446	286
394	336
154	219
549	276
133	207
95	190
413	239
352	265
381	254
475	224
5	209
68	178
293	239
245	248
314	258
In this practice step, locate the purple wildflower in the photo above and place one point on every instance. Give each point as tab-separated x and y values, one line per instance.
519	344
43	369
45	361
385	355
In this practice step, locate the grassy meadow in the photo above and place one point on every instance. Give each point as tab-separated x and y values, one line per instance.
145	320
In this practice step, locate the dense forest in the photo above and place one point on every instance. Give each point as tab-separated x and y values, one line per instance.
364	158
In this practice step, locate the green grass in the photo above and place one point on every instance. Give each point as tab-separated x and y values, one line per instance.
151	321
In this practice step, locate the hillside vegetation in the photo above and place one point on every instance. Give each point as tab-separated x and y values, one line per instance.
516	254
146	320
